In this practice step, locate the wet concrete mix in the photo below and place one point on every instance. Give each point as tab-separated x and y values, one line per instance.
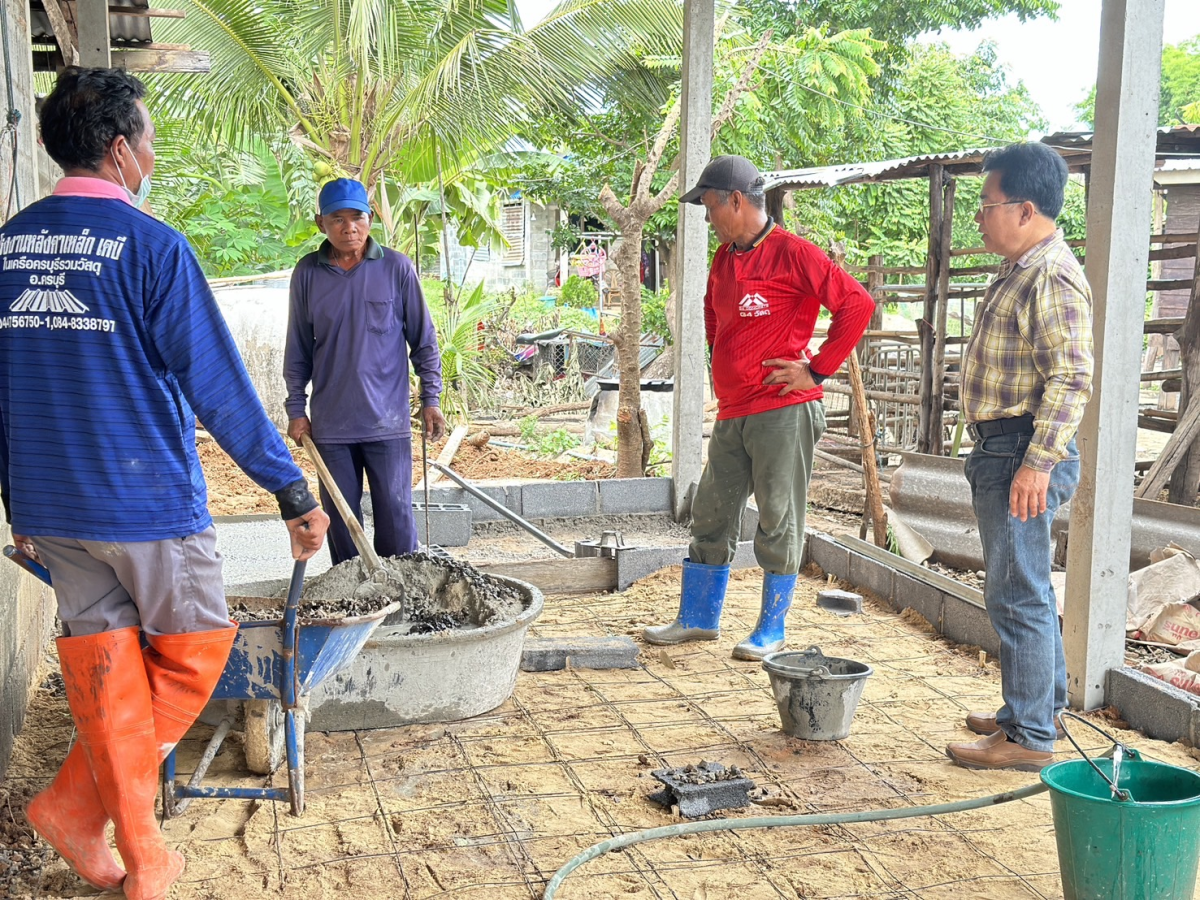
436	594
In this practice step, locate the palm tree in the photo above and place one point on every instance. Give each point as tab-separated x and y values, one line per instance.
403	86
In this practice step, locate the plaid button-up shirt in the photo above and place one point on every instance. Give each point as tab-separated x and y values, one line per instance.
1031	349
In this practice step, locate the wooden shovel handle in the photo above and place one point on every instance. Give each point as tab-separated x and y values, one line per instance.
356	530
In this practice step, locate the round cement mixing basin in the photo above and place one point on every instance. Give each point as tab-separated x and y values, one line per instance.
402	679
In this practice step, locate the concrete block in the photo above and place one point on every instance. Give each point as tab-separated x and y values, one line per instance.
560	499
842	603
749	522
744	557
826	553
450	524
507	495
633	496
1155	708
910	593
967	623
552	654
871	574
705	797
638	562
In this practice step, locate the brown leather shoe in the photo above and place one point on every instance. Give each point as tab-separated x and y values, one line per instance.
996	751
985	723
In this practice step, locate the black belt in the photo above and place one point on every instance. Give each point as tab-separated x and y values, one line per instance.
1016	425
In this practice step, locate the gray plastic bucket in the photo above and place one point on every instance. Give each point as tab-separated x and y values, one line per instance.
817	695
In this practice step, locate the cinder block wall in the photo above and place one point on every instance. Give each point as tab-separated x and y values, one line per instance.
25	629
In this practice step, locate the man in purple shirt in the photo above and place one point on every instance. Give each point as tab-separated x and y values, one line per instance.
357	318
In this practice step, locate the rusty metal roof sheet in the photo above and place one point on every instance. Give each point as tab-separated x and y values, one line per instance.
1075	147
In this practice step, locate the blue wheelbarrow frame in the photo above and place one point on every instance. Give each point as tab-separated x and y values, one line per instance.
282	660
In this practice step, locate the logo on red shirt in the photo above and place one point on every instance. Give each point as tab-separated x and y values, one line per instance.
754	305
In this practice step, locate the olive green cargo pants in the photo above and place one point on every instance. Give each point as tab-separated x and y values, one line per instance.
769	454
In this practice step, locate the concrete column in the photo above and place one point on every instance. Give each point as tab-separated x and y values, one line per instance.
91	18
1119	208
692	246
16	101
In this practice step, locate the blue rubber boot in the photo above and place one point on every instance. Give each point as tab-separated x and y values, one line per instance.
767	636
700	600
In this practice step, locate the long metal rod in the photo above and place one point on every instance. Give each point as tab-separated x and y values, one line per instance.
210	752
503	510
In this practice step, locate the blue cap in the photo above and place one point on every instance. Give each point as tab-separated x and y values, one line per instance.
342	193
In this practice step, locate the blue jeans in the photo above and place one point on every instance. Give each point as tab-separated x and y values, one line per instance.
1017	591
388	466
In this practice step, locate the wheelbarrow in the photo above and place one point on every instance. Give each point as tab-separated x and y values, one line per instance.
272	664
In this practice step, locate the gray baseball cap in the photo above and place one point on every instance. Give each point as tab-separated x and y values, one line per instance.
726	173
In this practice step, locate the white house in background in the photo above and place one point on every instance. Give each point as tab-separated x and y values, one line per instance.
527	260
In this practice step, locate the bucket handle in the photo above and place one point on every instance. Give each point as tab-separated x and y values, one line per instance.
1126	752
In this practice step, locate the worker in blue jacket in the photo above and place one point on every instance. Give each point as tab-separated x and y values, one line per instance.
111	346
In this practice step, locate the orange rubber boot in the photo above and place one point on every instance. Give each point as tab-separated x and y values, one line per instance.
183	669
71	818
109	695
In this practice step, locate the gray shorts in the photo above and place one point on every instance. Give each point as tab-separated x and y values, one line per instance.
170	586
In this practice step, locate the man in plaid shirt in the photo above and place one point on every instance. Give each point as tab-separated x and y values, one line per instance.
1026	377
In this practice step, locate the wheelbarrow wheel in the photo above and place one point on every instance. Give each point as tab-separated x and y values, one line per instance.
263	737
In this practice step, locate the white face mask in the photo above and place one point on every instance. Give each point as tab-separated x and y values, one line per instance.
138	199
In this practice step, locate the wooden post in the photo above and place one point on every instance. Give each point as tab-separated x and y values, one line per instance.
874	282
945	244
870	471
1185	480
928	437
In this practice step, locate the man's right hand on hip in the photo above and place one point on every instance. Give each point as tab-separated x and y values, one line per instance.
307	533
297	428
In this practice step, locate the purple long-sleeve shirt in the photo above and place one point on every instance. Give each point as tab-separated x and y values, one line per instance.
352	334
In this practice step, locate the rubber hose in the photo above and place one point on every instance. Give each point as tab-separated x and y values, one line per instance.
870	815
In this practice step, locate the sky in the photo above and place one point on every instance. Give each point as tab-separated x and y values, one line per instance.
1056	60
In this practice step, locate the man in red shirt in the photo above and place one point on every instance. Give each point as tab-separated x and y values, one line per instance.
765	290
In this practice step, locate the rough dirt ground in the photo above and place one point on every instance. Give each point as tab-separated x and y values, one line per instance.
232	493
491	807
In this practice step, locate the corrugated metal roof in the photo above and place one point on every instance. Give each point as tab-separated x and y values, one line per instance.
1075	147
123	30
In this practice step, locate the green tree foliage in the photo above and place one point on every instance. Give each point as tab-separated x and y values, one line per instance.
1179	95
940	102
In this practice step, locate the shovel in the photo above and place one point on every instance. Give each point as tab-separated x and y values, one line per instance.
374	566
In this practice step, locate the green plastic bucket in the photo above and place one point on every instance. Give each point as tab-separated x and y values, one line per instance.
1144	849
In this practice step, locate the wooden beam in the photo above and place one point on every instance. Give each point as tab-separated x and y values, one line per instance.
584	575
1173	453
137	13
63	33
1186	477
1167	325
197	61
945	244
870	472
928	426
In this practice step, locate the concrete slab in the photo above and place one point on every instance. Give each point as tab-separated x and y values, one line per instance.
553	654
507	495
909	593
967	623
701	799
871	574
824	551
559	499
449	522
257	550
631	496
638	562
1157	709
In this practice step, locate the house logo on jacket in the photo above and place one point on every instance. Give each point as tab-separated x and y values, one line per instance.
754	305
53	301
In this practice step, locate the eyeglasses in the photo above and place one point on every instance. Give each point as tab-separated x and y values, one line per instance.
986	206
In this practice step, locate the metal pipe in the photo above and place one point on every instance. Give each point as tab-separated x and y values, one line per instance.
503	510
210	753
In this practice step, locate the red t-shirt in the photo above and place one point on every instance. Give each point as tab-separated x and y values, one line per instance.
762	304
